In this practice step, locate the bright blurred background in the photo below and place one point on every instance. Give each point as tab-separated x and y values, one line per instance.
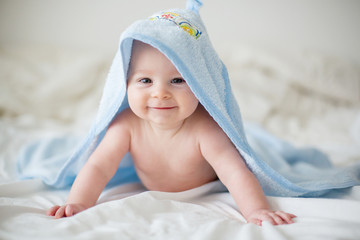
294	66
328	25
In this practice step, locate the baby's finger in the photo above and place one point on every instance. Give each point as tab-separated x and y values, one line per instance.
286	216
278	219
255	221
268	218
60	212
69	210
52	211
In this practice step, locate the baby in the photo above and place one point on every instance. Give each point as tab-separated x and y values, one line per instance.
174	143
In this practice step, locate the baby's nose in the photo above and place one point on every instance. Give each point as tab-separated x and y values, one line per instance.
161	92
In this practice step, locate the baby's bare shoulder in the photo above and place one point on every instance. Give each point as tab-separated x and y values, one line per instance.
126	120
124	117
207	130
205	122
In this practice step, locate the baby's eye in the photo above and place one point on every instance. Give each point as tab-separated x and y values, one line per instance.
145	80
178	80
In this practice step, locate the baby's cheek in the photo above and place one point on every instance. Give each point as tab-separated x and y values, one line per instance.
133	96
133	103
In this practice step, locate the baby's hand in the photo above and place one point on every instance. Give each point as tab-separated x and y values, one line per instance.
274	217
67	210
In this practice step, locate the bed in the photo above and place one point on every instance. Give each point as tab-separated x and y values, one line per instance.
51	86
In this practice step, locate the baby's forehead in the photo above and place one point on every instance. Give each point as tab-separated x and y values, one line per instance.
139	46
138	51
148	58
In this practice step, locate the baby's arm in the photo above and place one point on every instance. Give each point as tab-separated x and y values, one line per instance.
96	173
241	183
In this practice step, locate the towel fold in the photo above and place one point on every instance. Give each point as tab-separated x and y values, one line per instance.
180	35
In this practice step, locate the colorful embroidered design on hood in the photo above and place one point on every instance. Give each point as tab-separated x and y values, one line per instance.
180	21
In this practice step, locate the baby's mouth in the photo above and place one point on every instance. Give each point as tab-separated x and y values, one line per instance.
162	108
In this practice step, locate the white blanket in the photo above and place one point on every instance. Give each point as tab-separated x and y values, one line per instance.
195	214
284	95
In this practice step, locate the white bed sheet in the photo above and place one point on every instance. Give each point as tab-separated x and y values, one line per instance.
47	92
195	214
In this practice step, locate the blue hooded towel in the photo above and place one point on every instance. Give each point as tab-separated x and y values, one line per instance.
180	35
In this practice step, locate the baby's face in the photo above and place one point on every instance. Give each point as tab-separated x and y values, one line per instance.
156	90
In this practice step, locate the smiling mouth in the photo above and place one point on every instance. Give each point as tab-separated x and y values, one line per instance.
162	108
